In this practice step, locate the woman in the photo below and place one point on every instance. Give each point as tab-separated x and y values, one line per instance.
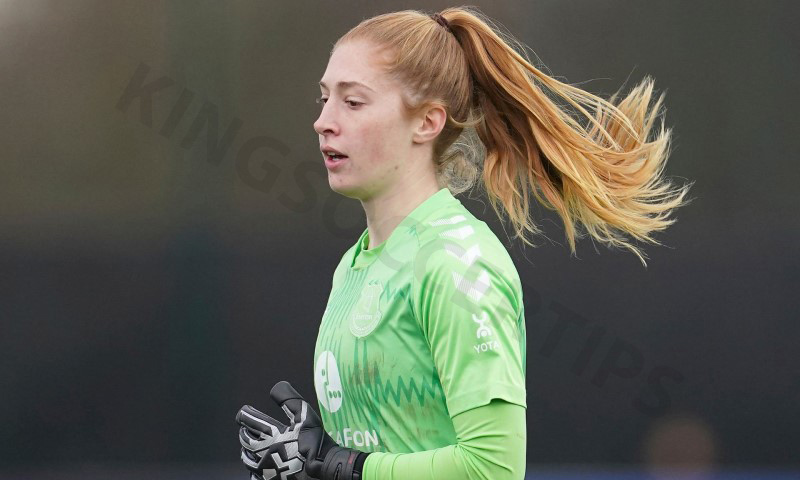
420	358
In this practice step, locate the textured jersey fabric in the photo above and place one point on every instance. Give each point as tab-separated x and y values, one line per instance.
424	327
491	444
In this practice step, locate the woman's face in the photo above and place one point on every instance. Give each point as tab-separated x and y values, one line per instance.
363	118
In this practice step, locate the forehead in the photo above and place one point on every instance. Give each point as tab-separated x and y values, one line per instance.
355	62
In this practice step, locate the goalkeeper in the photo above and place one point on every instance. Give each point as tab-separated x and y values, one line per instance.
419	365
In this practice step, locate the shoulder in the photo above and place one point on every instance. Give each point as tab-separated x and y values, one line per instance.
455	237
456	247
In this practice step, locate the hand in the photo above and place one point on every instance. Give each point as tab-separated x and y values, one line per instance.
298	451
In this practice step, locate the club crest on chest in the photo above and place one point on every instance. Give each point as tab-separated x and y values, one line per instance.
366	315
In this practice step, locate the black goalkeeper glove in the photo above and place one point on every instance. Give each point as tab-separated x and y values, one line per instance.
298	451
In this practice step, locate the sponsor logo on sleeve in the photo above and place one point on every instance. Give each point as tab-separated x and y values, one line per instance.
484	333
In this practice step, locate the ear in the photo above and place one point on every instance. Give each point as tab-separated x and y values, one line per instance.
430	124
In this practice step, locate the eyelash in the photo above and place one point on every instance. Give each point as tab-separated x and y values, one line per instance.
321	100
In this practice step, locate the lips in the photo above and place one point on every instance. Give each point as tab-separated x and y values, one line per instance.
326	149
334	163
336	158
333	157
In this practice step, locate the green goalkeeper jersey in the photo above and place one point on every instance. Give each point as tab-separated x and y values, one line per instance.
425	326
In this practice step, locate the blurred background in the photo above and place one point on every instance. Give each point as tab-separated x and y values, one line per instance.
168	237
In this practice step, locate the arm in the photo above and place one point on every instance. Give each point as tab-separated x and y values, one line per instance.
491	445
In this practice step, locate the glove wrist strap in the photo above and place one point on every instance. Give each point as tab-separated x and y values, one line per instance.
343	464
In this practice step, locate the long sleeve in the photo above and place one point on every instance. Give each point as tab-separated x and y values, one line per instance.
491	445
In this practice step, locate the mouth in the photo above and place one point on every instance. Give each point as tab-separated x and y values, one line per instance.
334	160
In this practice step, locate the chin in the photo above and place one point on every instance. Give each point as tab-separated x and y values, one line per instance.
356	192
344	189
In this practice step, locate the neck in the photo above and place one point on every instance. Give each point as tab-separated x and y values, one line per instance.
385	212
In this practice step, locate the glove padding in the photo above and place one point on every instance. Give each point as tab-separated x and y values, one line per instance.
299	451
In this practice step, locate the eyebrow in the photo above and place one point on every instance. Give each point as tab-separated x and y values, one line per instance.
343	85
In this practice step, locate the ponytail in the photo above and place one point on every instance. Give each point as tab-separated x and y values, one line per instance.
602	170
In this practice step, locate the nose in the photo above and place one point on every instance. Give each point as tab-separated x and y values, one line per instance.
325	123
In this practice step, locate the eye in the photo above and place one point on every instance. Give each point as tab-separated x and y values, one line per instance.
352	103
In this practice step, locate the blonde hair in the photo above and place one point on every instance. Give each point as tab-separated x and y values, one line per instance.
605	175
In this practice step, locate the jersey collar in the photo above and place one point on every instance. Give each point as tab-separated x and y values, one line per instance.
363	258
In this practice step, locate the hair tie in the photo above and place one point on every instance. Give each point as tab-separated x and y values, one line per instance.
441	21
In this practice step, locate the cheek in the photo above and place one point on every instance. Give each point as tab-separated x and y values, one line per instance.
378	146
371	136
